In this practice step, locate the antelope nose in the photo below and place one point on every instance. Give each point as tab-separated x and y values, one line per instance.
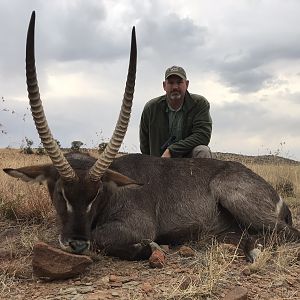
79	246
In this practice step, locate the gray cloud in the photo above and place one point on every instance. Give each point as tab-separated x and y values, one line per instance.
249	119
171	36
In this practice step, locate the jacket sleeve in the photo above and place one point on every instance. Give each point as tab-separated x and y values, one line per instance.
144	133
200	135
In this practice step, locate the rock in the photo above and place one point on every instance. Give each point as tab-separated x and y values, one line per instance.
185	283
49	263
189	280
114	278
115	284
147	287
157	259
115	294
278	283
99	295
117	281
85	289
165	248
186	251
238	293
246	271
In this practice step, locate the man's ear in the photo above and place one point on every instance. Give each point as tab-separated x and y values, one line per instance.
164	85
118	178
187	82
33	173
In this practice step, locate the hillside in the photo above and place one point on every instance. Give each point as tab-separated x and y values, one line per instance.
259	159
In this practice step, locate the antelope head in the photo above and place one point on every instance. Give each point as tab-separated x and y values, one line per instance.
76	182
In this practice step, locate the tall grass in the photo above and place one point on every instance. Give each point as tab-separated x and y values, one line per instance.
19	200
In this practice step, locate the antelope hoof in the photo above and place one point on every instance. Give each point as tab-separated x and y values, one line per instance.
253	254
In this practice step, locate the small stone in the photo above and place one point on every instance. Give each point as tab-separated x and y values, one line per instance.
246	271
115	294
104	279
115	284
165	248
147	287
50	263
157	259
238	293
133	283
186	251
145	273
85	289
71	290
278	283
99	295
185	283
113	278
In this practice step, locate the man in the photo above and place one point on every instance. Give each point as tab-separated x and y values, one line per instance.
177	124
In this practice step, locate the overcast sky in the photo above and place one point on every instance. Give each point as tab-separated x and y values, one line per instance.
243	56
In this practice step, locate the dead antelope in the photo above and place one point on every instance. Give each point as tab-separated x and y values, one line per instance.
125	205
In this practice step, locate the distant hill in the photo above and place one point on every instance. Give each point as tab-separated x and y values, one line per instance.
260	159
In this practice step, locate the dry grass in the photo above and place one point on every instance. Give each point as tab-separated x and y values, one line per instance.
278	173
16	247
210	270
18	200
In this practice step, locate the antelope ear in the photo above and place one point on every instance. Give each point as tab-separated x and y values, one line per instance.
118	178
33	173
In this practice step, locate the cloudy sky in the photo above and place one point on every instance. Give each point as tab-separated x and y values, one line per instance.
243	56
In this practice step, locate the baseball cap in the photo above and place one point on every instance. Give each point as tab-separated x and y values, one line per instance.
175	70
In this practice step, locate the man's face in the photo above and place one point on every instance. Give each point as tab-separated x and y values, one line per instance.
175	87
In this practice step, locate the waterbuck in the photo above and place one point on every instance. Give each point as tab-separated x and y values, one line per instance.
128	205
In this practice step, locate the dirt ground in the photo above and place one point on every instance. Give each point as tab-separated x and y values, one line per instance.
215	270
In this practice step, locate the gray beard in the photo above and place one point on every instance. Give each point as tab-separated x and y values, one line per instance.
175	97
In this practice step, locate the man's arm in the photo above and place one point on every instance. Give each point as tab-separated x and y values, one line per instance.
144	133
201	133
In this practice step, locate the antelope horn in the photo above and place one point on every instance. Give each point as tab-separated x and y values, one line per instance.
116	140
57	157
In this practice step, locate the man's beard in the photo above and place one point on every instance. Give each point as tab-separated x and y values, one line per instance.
175	96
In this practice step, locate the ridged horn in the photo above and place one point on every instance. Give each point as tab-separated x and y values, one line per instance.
55	154
116	140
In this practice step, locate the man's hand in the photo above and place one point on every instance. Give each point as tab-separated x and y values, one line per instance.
167	154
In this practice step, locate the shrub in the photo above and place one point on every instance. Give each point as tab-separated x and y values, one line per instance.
75	145
28	148
101	147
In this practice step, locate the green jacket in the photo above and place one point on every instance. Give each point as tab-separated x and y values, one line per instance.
154	126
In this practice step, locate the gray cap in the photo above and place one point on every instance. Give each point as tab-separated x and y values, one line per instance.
175	70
